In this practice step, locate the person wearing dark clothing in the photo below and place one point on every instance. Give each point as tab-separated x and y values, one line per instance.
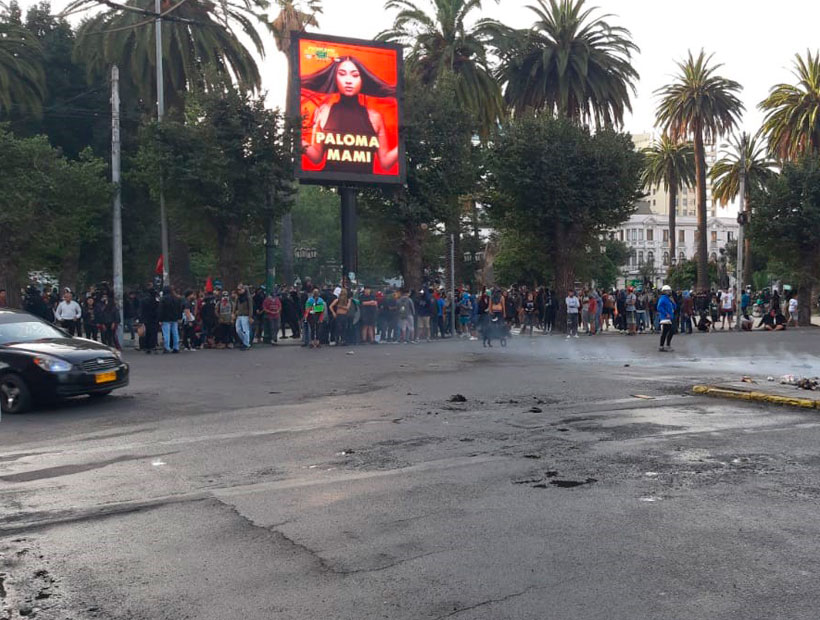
291	314
131	309
258	315
108	317
170	313
773	321
149	319
210	321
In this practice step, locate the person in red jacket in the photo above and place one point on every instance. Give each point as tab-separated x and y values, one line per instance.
272	310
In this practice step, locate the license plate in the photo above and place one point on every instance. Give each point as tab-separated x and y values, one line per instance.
105	377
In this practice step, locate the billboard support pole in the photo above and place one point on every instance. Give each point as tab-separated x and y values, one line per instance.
350	242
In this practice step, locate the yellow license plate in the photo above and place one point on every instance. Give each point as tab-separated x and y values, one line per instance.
105	377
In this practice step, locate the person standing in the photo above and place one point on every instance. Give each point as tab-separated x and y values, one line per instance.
170	313
90	319
530	314
272	307
131	309
573	310
340	309
149	319
68	313
630	305
242	316
406	312
687	313
189	321
666	312
369	307
314	315
793	311
727	308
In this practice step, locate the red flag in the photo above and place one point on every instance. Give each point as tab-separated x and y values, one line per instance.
209	285
158	270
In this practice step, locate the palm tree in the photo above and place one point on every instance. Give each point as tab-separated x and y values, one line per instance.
571	63
671	164
201	45
702	106
22	77
440	43
792	122
293	16
747	155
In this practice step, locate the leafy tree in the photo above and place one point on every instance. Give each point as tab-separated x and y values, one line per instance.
202	41
785	225
221	167
22	78
702	106
292	17
441	167
792	122
570	63
747	157
441	43
563	185
684	275
672	164
521	259
50	208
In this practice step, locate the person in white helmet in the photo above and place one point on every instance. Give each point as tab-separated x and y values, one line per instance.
666	312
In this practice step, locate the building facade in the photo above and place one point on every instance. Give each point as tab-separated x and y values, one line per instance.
647	235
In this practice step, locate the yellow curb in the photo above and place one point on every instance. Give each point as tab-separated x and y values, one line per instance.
791	401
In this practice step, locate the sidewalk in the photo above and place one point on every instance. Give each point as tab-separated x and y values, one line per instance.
766	392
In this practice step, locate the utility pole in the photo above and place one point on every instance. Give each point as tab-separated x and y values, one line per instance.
115	179
163	217
741	232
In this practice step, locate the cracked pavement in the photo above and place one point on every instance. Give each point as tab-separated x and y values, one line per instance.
578	480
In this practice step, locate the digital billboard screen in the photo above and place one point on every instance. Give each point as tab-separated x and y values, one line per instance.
349	94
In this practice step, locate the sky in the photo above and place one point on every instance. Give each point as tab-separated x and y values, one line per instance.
756	41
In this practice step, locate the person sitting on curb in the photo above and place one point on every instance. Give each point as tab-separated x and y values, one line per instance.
774	321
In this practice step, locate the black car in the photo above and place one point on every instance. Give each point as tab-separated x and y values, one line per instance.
41	363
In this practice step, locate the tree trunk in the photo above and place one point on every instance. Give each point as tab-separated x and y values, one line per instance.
700	182
747	246
9	280
564	273
673	195
229	265
411	258
804	303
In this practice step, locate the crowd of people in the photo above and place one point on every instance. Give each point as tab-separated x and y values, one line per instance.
221	318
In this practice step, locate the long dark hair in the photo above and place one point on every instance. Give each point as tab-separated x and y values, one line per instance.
324	80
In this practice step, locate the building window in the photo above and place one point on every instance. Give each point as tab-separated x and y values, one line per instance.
650	257
621	235
682	236
729	235
666	259
640	259
681	258
665	235
714	236
653	202
640	234
650	234
632	258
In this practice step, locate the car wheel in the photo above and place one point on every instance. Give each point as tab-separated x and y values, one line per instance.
14	394
100	394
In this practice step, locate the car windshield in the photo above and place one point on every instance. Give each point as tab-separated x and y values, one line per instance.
27	331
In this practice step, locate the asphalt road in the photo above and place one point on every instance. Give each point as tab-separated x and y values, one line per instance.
579	480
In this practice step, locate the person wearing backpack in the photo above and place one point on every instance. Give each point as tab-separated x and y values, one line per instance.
407	313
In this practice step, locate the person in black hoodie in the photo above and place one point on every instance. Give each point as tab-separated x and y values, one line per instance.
149	318
170	313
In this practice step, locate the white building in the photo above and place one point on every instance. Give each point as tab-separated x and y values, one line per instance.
647	230
647	235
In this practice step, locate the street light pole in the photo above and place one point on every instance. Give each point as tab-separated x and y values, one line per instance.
115	179
163	217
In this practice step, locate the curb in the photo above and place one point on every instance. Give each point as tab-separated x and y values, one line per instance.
761	397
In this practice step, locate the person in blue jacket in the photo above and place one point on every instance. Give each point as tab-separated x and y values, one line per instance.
666	314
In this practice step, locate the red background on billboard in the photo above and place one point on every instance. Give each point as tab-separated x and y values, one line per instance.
381	62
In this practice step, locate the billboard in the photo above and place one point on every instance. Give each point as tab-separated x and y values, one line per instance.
349	94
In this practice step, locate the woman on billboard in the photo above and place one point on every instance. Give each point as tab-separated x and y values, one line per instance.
348	134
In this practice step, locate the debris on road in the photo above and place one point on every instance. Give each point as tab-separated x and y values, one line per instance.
458	398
